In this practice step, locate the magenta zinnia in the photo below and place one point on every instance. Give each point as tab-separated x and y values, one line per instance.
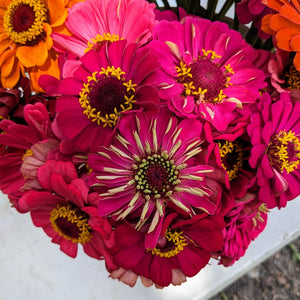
274	132
118	79
152	166
208	75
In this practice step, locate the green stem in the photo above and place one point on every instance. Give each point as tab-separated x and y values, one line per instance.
211	8
220	16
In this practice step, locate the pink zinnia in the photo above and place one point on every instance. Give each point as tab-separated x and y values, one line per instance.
184	248
119	79
274	132
67	212
150	167
105	20
209	70
243	224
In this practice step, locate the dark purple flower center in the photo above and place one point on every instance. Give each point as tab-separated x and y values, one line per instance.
203	78
232	157
71	223
284	151
23	18
156	175
106	96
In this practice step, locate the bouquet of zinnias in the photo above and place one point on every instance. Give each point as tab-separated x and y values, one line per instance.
155	138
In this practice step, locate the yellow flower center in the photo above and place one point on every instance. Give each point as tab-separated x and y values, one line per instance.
284	151
71	223
28	152
203	78
106	95
232	158
175	244
99	40
23	21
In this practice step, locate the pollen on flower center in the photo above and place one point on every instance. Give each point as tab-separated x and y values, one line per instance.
71	223
156	175
106	95
232	157
203	78
175	244
99	40
23	21
292	78
284	151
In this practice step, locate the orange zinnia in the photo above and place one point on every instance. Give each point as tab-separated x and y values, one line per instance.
25	42
284	25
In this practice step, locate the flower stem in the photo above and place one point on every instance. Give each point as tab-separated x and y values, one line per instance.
220	16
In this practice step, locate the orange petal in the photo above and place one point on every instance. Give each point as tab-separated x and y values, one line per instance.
296	4
31	56
290	13
6	67
295	43
284	37
49	68
57	10
297	61
48	40
12	79
277	22
4	45
274	4
265	24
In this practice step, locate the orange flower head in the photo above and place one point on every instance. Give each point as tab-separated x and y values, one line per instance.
284	26
25	42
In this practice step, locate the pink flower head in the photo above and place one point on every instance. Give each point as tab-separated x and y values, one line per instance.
184	248
209	70
253	10
243	224
119	79
105	20
67	212
17	141
150	167
274	132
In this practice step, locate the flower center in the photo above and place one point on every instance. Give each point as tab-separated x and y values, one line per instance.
284	151
232	158
100	40
175	243
106	95
156	175
292	78
23	21
203	78
71	223
28	152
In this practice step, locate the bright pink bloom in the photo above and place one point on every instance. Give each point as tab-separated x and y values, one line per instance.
118	79
183	249
105	20
170	15
274	132
67	212
243	224
208	75
150	167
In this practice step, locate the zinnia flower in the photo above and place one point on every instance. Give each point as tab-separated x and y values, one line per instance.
208	75
274	132
106	20
184	248
25	43
119	79
284	25
243	224
67	211
151	166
